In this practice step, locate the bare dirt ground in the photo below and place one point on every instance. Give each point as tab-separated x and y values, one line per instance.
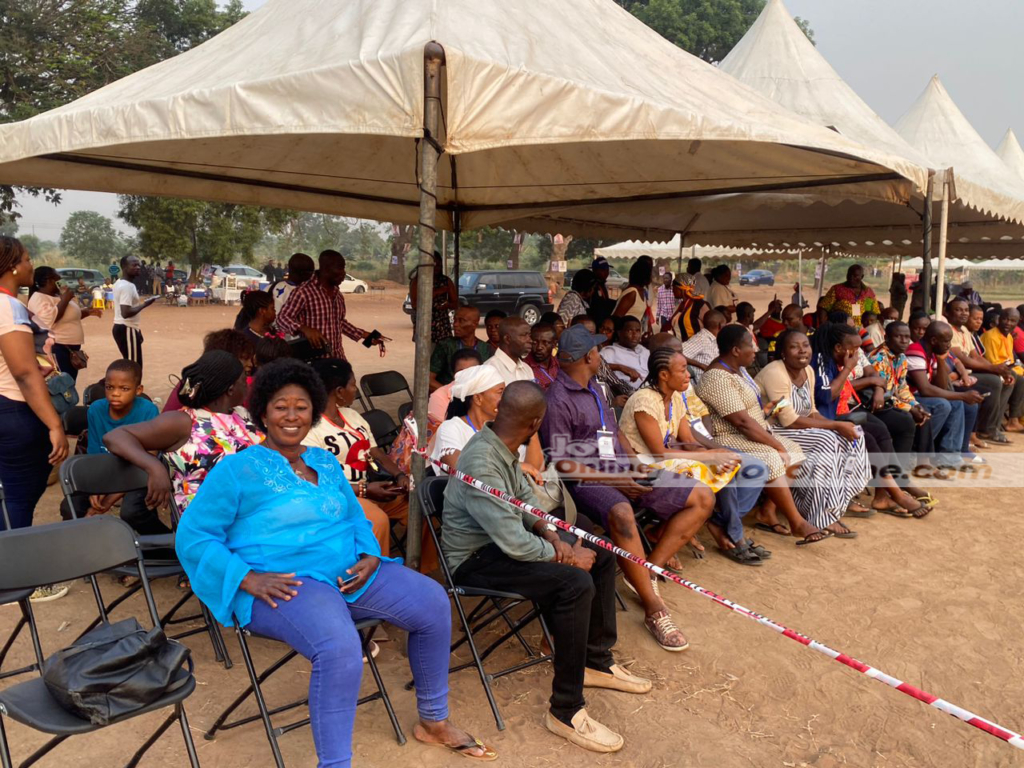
934	602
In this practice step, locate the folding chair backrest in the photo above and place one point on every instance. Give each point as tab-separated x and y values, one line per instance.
100	473
76	420
382	425
431	498
382	384
404	410
73	549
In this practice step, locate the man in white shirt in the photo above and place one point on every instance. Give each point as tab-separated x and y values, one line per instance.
720	295
514	343
627	352
696	278
127	306
701	349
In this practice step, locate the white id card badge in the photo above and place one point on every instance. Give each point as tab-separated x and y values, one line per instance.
605	444
698	426
855	310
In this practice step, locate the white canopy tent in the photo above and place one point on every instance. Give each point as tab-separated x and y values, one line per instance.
673	249
937	127
569	117
1010	152
776	58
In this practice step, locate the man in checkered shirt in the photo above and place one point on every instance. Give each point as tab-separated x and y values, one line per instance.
316	309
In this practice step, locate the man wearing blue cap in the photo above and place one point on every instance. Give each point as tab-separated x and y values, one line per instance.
580	435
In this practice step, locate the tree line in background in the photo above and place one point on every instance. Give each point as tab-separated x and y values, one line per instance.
55	51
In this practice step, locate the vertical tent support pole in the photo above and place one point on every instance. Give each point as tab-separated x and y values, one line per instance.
925	283
679	269
430	151
456	224
943	227
800	278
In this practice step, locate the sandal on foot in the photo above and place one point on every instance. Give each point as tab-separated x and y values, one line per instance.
923	510
744	556
758	550
862	512
777	528
895	511
928	500
845	533
814	538
465	750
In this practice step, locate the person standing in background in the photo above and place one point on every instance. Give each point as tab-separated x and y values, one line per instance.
666	300
300	269
127	329
53	307
898	293
445	299
720	296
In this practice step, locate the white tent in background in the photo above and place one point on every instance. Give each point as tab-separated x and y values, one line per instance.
1010	152
319	105
775	58
937	127
634	249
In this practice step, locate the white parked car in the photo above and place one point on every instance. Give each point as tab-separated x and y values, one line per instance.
353	285
243	274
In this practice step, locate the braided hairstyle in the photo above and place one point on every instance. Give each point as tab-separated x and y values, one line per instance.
209	378
252	304
826	338
11	253
659	361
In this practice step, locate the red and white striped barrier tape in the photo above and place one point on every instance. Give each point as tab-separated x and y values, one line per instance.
1011	737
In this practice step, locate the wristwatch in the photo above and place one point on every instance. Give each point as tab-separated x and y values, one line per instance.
550	528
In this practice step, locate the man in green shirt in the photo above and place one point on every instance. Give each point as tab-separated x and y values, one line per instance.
492	544
442	366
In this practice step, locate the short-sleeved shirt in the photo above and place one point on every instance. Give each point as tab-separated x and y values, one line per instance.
998	348
510	370
348	438
125	294
101	422
1018	341
920	360
636	358
67	330
573	417
13	319
544	375
649	401
453	435
702	347
442	358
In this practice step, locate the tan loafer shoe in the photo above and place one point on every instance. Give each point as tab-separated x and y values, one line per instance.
665	632
617	680
585	732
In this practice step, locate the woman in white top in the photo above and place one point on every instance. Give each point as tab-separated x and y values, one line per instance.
475	396
634	300
60	313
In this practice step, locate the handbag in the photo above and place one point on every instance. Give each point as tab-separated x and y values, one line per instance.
79	359
115	670
60	385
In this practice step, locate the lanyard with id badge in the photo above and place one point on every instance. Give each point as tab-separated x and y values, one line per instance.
605	437
696	424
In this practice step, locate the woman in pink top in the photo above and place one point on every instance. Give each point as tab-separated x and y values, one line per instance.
32	439
60	313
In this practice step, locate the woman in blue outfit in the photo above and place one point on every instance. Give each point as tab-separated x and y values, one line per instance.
276	541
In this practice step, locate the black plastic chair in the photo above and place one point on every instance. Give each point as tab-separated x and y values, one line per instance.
103	474
494	605
382	426
28	619
365	628
75	420
47	554
383	384
404	410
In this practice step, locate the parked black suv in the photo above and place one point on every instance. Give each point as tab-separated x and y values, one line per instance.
523	293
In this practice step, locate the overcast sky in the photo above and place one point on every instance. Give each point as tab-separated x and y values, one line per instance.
887	50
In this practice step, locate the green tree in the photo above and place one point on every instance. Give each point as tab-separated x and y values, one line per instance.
33	245
708	29
197	232
8	228
55	51
90	240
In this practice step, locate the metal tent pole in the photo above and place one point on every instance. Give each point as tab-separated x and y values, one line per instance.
800	278
456	224
925	283
943	229
430	151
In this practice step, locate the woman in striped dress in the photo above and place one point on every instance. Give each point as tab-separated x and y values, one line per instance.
837	467
738	422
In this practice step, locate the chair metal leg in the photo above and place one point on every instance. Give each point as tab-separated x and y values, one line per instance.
372	664
33	630
186	734
219	723
10	642
153	738
515	630
258	695
620	601
5	752
484	679
43	751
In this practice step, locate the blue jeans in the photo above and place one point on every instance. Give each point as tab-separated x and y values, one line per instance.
318	623
947	425
24	460
739	497
970	420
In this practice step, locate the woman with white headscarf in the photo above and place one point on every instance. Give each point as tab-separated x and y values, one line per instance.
475	395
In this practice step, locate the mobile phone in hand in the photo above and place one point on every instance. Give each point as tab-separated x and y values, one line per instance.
369	340
349	578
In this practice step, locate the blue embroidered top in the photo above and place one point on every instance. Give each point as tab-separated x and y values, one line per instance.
253	513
